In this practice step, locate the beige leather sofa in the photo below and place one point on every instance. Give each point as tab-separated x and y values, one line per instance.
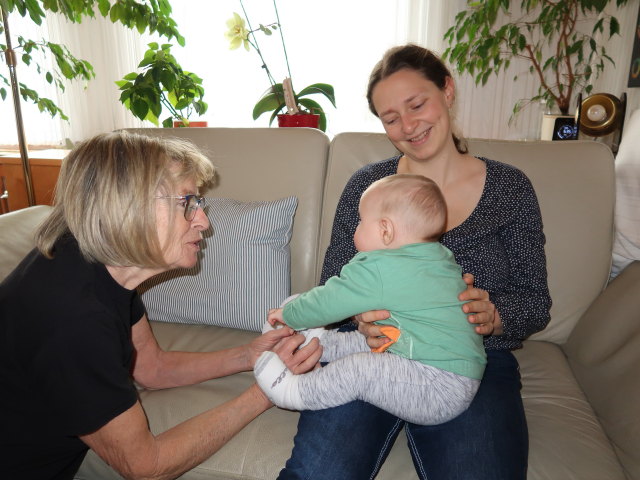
581	384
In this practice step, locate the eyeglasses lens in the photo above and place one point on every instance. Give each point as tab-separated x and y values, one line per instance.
193	202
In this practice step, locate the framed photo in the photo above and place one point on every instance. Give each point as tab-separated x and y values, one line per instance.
634	70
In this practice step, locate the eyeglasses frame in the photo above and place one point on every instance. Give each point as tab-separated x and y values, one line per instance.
189	209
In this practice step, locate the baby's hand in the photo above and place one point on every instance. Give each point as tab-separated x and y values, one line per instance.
275	316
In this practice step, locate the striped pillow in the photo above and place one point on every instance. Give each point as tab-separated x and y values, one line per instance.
243	270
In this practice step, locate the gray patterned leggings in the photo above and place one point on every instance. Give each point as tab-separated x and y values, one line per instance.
408	389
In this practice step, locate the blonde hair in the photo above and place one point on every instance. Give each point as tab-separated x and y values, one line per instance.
414	200
105	196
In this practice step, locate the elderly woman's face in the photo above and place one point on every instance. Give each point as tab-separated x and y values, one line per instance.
180	239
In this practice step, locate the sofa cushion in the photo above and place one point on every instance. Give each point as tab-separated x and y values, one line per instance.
243	271
566	440
603	351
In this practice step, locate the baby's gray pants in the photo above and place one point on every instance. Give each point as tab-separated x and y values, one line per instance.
408	389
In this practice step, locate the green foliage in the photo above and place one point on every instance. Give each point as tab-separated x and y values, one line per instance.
153	16
485	39
273	101
162	83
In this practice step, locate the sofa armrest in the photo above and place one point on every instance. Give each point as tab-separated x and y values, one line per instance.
16	235
604	354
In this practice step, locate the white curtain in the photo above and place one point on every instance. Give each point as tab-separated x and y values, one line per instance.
114	51
333	41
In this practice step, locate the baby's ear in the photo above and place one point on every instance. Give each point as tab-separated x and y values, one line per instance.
387	231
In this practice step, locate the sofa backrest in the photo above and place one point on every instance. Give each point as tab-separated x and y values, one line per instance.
574	181
575	184
256	164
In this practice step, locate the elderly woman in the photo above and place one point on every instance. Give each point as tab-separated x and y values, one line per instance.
73	331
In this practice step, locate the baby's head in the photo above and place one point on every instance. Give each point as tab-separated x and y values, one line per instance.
398	210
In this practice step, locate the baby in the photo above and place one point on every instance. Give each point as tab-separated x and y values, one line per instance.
430	370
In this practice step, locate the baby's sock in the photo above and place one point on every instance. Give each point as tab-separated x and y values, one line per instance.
278	383
311	333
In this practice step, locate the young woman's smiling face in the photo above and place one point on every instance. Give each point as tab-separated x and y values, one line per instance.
415	113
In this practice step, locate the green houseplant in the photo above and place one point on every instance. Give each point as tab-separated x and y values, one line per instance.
162	83
486	37
153	16
280	97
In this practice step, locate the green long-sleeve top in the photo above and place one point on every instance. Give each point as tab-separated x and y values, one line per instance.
419	285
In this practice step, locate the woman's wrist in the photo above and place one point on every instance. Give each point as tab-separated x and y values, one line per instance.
260	397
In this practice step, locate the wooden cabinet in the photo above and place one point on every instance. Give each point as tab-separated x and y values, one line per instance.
45	166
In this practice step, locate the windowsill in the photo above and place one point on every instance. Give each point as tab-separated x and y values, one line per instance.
45	154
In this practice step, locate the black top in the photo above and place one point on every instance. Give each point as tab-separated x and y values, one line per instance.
65	360
501	244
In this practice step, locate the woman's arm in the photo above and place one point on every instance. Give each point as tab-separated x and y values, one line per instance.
128	446
524	301
154	368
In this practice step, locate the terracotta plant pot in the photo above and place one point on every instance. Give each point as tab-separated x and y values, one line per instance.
299	120
201	123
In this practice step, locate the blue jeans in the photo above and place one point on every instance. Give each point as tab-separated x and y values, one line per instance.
489	441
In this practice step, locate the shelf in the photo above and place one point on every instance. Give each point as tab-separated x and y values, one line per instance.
45	167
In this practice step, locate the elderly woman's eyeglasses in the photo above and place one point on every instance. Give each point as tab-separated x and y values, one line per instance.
191	204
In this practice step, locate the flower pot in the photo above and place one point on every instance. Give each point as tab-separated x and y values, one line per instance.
299	120
200	123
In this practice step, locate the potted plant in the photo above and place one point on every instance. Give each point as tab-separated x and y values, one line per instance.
143	16
486	37
290	107
162	83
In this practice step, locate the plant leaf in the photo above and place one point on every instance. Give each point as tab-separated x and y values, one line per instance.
614	27
319	88
268	103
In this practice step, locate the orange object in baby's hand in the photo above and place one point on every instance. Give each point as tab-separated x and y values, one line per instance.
392	333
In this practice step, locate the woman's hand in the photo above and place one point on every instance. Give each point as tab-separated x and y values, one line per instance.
299	360
375	338
265	342
285	342
480	310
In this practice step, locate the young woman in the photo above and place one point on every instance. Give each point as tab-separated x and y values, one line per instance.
494	229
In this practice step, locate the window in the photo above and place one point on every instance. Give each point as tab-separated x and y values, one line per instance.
331	41
322	46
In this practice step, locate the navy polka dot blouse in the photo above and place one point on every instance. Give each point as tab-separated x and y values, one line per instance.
501	244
